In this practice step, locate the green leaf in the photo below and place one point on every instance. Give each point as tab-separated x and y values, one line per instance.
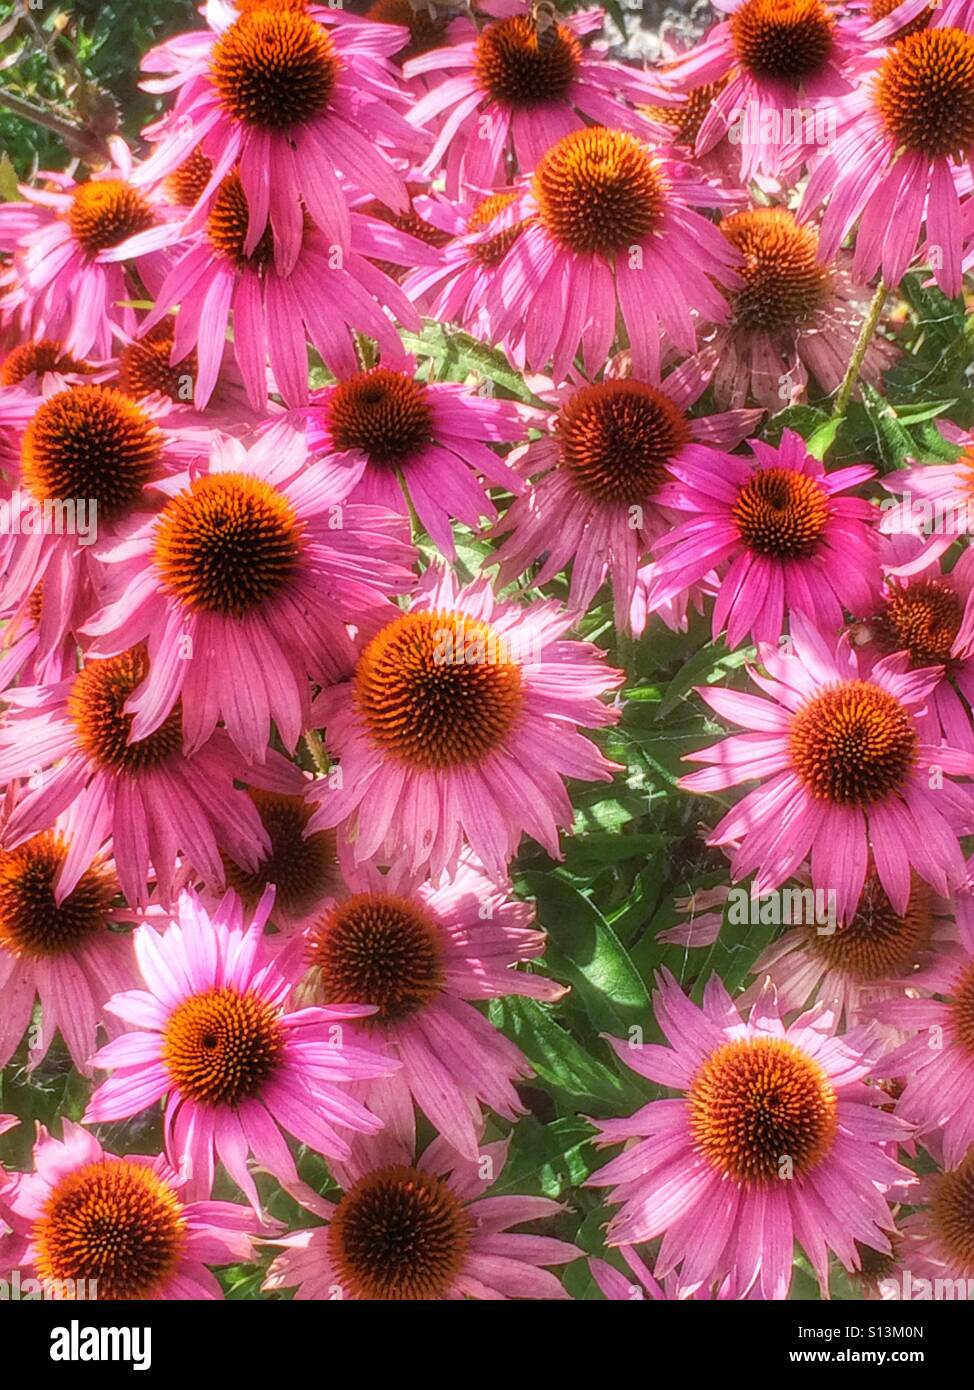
894	441
802	419
458	355
704	667
932	444
914	414
822	439
9	191
547	1160
584	950
557	1058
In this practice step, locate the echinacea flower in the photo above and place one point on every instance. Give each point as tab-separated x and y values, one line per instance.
421	955
895	19
325	294
422	1229
28	654
235	1066
88	1224
72	262
302	868
701	918
937	503
409	220
455	288
290	97
609	448
791	541
189	181
937	1242
682	124
513	92
615	1286
673	612
43	366
424	26
240	585
73	741
852	965
843	772
458	724
144	367
775	58
937	1062
891	165
62	953
640	1283
930	615
402	439
77	464
774	1139
610	230
794	320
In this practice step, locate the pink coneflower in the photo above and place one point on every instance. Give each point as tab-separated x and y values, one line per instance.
608	450
640	1284
891	164
890	20
843	772
852	965
795	318
673	612
94	451
610	228
938	1238
514	92
791	541
236	1067
459	724
302	868
324	294
62	953
775	58
422	1228
937	502
455	289
414	223
73	740
423	28
29	655
395	434
420	955
42	367
774	1139
616	1287
938	1061
144	367
71	264
930	616
291	97
241	586
19	220
96	1225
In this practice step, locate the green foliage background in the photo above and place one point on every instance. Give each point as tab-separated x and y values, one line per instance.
75	48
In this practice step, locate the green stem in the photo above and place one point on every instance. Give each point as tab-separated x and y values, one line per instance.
81	142
869	325
416	525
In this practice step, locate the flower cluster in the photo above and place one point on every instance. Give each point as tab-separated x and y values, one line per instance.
416	445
